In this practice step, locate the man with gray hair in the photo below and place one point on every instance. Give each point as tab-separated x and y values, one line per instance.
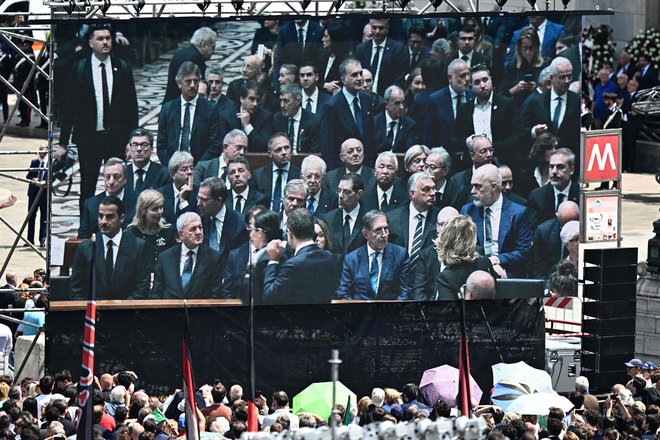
187	123
234	144
448	191
502	225
201	48
385	194
394	130
189	271
252	66
481	153
301	126
295	194
480	285
320	199
180	195
114	181
557	110
214	76
271	178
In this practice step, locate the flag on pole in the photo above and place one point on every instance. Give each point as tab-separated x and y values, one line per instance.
464	367
347	413
192	422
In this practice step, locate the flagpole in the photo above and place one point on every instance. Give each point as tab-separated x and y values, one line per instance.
192	421
464	362
334	362
253	421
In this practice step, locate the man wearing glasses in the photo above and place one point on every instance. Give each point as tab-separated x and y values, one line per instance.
379	270
466	43
143	173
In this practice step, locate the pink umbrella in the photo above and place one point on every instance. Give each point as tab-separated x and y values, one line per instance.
442	383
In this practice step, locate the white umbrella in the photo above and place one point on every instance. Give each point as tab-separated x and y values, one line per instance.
521	372
539	404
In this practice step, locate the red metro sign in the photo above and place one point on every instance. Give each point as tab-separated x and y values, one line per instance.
601	155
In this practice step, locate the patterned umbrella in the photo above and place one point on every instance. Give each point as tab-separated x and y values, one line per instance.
507	391
442	383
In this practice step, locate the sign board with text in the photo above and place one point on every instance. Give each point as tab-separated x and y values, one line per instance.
601	216
600	155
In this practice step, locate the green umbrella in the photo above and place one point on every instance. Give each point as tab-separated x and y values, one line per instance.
317	399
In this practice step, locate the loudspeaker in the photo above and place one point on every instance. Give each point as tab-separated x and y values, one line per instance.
611	257
610	275
603	381
610	309
606	362
610	292
609	327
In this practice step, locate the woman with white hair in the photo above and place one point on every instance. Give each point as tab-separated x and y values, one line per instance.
570	234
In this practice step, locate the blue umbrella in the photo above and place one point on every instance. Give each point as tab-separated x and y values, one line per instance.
506	391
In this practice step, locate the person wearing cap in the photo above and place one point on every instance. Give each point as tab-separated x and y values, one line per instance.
613	116
378	397
633	369
647	371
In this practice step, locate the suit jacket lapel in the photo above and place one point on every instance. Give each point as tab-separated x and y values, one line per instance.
505	224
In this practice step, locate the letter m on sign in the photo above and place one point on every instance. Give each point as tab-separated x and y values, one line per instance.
602	154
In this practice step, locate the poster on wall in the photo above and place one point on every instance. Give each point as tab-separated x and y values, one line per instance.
601	218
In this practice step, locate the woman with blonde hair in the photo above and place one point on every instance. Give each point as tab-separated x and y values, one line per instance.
456	245
414	161
150	225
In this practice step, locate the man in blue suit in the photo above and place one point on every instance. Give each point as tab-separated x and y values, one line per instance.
383	56
442	106
306	278
548	31
379	270
198	130
502	225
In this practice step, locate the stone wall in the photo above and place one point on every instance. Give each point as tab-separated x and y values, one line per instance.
647	339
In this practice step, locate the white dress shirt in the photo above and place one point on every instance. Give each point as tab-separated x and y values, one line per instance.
116	240
314	100
482	116
495	216
184	258
353	217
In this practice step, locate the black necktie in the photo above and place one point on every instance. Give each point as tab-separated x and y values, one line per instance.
560	199
238	207
109	263
277	191
223	176
139	183
106	98
555	117
374	61
488	234
390	134
185	131
384	205
308	107
413	60
358	114
346	232
42	173
292	133
301	40
465	58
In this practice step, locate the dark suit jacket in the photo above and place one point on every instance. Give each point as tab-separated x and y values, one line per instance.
233	232
306	278
207	168
262	178
423	55
405	136
323	99
538	112
89	219
335	220
333	177
439	125
514	239
541	204
206	280
223	103
477	59
33	190
234	284
504	125
169	209
649	80
546	251
327	201
392	63
337	125
425	272
398	221
261	121
254	198
448	282
188	53
289	51
234	92
308	127
395	277
398	198
79	112
457	191
130	276
156	176
204	134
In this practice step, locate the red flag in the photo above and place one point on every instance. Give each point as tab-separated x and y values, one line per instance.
464	376
192	421
253	417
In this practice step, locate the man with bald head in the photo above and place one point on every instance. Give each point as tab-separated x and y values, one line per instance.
502	225
428	267
547	249
252	65
351	155
480	285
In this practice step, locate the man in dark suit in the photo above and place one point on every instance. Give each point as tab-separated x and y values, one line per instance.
198	130
39	177
142	173
502	128
544	201
351	157
394	131
466	52
100	122
383	56
647	76
626	65
379	270
346	115
313	99
201	48
190	271
449	190
632	124
306	278
234	144
384	194
297	41
224	228
121	262
252	66
412	223
301	126
242	197
114	180
249	117
180	195
320	199
613	116
507	185
547	249
548	31
481	153
345	222
416	49
442	107
271	178
542	110
214	76
502	225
